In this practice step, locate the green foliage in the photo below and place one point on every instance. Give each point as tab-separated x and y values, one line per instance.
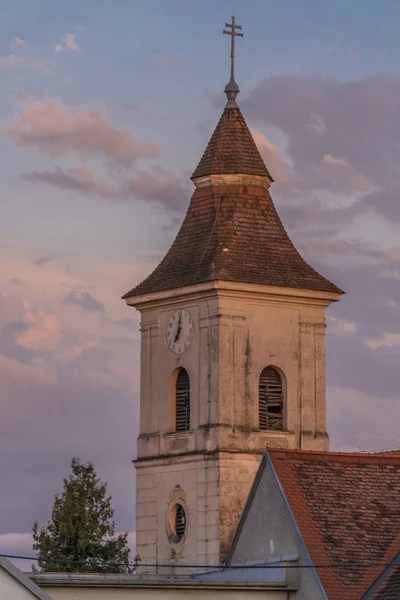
82	528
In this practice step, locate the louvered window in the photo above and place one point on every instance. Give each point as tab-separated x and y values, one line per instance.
270	398
182	400
180	522
177	523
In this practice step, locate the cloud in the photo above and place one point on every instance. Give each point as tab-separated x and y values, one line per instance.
374	372
335	45
153	185
42	260
355	51
17	544
11	309
361	121
338	162
19	41
67	43
85	301
362	427
42	329
379	51
158	185
383	202
17	62
59	131
317	124
279	169
80	179
68	383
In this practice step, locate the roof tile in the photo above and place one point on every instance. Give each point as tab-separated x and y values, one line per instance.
233	233
348	511
231	149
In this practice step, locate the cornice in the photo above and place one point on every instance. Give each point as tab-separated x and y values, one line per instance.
233	290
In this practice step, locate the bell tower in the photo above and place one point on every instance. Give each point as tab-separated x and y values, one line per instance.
232	353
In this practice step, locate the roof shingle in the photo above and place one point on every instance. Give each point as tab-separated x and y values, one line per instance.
231	149
233	233
389	586
348	511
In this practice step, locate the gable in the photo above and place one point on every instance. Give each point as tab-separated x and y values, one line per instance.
268	534
15	585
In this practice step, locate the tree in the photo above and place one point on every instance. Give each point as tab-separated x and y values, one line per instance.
81	528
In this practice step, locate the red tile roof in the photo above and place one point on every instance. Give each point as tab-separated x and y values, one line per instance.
231	149
347	507
389	586
233	233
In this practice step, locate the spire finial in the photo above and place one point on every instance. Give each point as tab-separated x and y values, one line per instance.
232	88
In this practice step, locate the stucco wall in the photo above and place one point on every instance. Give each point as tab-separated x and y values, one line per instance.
236	334
268	531
109	593
11	589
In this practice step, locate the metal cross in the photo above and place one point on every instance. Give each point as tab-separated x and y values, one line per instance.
233	33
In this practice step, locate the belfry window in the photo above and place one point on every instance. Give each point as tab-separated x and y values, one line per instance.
270	398
182	401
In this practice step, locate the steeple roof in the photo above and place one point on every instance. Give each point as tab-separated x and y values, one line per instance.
232	231
231	149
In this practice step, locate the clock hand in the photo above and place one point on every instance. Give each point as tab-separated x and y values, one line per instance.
178	330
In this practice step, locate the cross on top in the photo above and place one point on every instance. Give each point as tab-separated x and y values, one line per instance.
233	33
232	89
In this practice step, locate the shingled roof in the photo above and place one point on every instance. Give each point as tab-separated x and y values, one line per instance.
231	149
388	586
347	508
232	232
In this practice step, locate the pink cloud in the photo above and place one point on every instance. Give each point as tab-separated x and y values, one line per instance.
11	309
158	185
322	116
17	62
80	179
153	185
280	170
44	330
58	131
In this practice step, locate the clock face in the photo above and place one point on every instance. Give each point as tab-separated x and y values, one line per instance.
179	332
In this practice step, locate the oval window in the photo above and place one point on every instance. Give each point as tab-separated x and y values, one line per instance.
177	523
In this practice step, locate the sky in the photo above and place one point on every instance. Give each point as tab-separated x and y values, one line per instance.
105	109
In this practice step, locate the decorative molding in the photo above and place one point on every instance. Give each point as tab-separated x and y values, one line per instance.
231	289
232	179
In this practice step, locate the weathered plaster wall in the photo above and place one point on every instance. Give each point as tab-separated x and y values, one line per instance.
211	467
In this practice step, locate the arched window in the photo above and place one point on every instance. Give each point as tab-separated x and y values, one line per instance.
182	401
270	397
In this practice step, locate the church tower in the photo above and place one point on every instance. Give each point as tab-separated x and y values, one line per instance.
232	353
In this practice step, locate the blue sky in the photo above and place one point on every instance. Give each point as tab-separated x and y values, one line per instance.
105	109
